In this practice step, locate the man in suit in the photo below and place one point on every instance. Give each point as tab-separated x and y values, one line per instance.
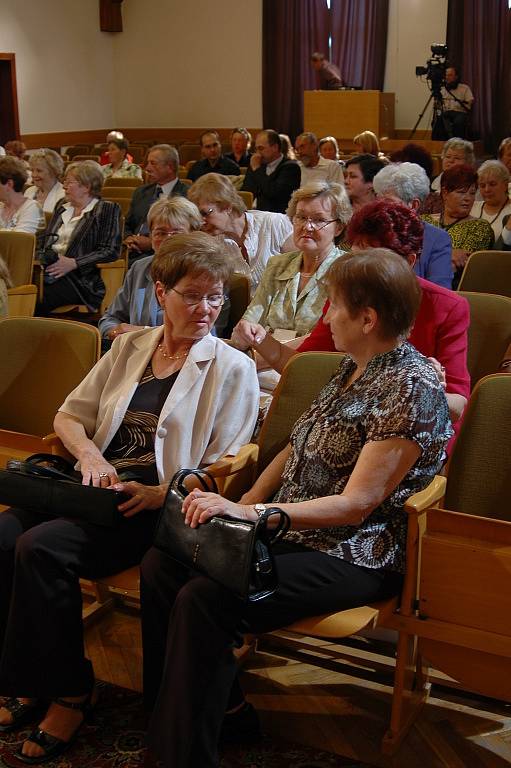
270	177
213	161
408	183
162	168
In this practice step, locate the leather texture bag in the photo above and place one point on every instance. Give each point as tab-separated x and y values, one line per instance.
233	552
50	485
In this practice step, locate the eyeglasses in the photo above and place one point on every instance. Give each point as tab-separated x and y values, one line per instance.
316	224
166	232
191	299
206	213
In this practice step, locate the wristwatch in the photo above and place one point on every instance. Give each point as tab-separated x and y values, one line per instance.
260	509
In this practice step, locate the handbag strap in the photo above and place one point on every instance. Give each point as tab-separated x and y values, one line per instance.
207	481
282	527
50	460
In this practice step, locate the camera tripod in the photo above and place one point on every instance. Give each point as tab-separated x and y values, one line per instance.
438	111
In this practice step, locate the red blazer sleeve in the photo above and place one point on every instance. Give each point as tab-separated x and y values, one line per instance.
320	338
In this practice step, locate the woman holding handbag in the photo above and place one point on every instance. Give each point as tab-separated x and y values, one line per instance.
160	399
374	435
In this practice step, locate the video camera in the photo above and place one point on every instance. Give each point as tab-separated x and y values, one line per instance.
435	68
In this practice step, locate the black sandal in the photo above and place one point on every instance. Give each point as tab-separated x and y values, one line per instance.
53	746
21	714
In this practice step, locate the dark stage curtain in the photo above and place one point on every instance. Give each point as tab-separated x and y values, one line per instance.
479	42
359	41
292	31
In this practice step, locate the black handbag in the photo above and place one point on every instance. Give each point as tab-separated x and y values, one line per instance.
50	485
233	552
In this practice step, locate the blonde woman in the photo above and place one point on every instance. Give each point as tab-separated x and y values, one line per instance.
47	168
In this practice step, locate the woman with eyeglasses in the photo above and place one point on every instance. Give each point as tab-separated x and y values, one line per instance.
291	293
161	399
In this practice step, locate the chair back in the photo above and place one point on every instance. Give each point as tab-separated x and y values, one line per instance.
21	301
112	274
81	158
302	379
239	297
17	249
489	333
42	360
123	202
111	190
487	272
479	474
247	197
128	181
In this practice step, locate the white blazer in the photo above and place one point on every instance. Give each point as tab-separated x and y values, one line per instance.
210	411
55	194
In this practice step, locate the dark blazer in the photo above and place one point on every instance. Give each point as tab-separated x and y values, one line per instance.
96	238
224	165
499	243
143	198
273	191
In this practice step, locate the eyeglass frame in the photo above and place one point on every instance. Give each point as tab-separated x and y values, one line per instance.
196	303
307	220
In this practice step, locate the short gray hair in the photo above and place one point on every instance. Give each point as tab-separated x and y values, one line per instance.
170	154
51	159
175	212
88	173
494	168
466	146
408	181
335	193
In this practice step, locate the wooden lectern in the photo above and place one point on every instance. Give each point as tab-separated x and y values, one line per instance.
343	114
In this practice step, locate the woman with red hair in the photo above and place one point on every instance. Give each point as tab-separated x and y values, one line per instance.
441	325
458	190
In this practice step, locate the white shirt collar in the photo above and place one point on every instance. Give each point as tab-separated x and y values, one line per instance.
270	167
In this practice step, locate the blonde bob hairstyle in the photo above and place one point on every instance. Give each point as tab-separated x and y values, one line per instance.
194	254
89	174
217	189
175	212
323	190
493	169
50	159
368	141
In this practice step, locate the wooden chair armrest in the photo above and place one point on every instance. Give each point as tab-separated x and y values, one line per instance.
22	290
432	494
230	465
53	444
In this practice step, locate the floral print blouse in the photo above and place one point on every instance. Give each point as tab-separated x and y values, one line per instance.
398	395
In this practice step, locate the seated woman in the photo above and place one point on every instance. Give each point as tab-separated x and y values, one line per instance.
161	399
291	292
17	212
136	306
374	435
458	191
366	143
47	168
240	147
83	231
259	234
5	283
119	166
455	152
493	180
328	148
440	330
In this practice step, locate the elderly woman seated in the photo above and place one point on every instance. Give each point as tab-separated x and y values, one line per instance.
495	206
291	292
119	166
328	148
373	436
17	212
47	167
468	234
258	234
83	231
159	400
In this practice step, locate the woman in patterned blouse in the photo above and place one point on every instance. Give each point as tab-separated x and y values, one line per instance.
458	190
374	435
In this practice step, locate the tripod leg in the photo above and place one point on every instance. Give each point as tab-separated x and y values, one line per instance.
426	105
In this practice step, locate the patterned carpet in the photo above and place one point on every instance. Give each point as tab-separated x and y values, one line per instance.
115	739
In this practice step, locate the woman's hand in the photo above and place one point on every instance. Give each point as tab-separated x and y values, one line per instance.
459	257
142	497
439	370
61	267
96	470
201	506
246	334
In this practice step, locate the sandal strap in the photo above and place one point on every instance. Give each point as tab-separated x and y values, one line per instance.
44	740
17	708
83	706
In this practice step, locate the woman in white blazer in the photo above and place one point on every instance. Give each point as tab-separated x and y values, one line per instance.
161	399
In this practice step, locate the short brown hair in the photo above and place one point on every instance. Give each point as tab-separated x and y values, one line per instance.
89	174
13	169
217	189
378	278
193	254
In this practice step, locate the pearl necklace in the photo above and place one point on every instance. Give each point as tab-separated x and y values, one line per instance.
172	357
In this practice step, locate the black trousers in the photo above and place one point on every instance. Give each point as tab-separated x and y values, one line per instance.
190	625
41	633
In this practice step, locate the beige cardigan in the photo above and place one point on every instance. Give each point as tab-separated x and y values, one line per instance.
210	412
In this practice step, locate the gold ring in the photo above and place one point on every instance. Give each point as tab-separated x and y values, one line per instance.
103	474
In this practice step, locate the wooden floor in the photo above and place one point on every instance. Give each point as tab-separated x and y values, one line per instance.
330	709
